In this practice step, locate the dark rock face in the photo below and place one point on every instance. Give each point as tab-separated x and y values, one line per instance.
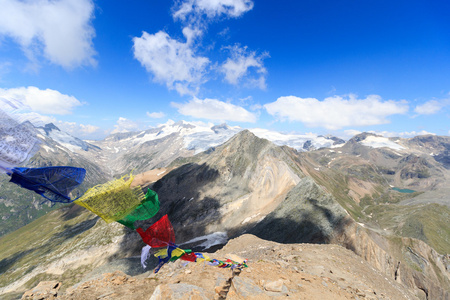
361	137
444	158
307	215
414	167
49	127
196	193
337	141
308	145
219	128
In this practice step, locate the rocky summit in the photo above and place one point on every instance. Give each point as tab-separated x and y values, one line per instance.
364	219
275	271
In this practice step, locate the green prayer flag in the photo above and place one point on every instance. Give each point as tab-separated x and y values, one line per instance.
147	209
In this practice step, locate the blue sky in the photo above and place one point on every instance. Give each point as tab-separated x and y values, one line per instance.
326	67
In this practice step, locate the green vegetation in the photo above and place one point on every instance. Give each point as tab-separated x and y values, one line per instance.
57	234
40	277
336	184
137	163
19	206
324	160
428	223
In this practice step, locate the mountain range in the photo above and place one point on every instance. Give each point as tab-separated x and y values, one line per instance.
386	199
122	153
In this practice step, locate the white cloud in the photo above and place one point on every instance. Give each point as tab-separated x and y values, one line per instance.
256	106
170	61
169	122
78	130
156	115
213	109
125	125
211	8
239	66
59	30
35	118
42	101
88	129
430	107
246	99
336	112
191	33
351	132
405	134
225	33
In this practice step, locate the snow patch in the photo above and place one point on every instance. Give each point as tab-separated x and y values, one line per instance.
295	141
380	142
248	219
63	138
212	239
47	148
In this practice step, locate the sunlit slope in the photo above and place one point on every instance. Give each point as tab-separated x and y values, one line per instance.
64	244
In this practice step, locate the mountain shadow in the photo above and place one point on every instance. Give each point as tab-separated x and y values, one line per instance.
7	263
69	232
180	196
72	211
307	215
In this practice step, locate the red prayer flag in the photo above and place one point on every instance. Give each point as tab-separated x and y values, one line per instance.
189	257
159	234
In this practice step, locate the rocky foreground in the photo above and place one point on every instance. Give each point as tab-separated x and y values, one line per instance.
291	271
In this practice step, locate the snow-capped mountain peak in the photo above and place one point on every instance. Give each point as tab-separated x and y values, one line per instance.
63	138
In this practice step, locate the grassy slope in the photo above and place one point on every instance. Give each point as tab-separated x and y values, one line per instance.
48	238
429	223
16	206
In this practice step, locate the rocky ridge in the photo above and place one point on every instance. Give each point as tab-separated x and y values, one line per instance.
282	271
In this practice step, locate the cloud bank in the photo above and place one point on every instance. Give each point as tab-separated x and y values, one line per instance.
61	31
125	125
212	109
336	112
405	134
430	107
156	115
78	130
42	101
